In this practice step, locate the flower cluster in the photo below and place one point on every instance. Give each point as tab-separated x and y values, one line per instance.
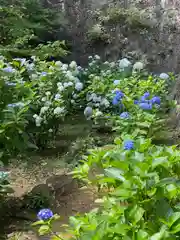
45	214
117	98
128	145
145	103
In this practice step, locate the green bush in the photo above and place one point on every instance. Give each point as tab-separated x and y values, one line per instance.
26	24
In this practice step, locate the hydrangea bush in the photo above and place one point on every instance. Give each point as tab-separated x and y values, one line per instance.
142	201
139	180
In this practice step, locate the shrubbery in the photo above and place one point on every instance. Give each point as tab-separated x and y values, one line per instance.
26	24
141	178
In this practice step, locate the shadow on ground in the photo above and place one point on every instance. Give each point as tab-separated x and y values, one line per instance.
17	213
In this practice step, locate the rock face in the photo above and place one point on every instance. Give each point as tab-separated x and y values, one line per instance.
145	30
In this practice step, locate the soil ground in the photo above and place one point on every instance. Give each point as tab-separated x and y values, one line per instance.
23	180
35	169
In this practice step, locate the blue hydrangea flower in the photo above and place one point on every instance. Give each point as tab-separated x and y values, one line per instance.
145	106
143	99
128	145
79	86
116	82
119	94
115	101
9	69
146	94
156	100
88	111
164	76
45	214
124	115
136	102
43	74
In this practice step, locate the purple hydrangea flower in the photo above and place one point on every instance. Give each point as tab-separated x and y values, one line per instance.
128	145
145	106
45	214
124	115
156	100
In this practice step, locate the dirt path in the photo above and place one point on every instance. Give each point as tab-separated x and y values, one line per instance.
23	180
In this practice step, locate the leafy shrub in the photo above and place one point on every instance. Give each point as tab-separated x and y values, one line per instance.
26	24
97	33
36	96
139	181
143	197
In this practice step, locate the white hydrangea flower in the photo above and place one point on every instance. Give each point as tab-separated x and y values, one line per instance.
108	72
58	63
58	110
60	88
70	84
38	121
97	105
35	116
43	99
64	67
79	86
105	102
90	57
44	109
73	64
50	130
59	84
96	78
57	96
97	57
112	64
47	103
124	63
91	96
138	66
48	93
72	101
34	76
75	72
98	113
164	76
68	74
65	84
75	96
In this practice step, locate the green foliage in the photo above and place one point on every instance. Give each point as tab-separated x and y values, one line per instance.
143	197
139	182
97	33
25	24
132	17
